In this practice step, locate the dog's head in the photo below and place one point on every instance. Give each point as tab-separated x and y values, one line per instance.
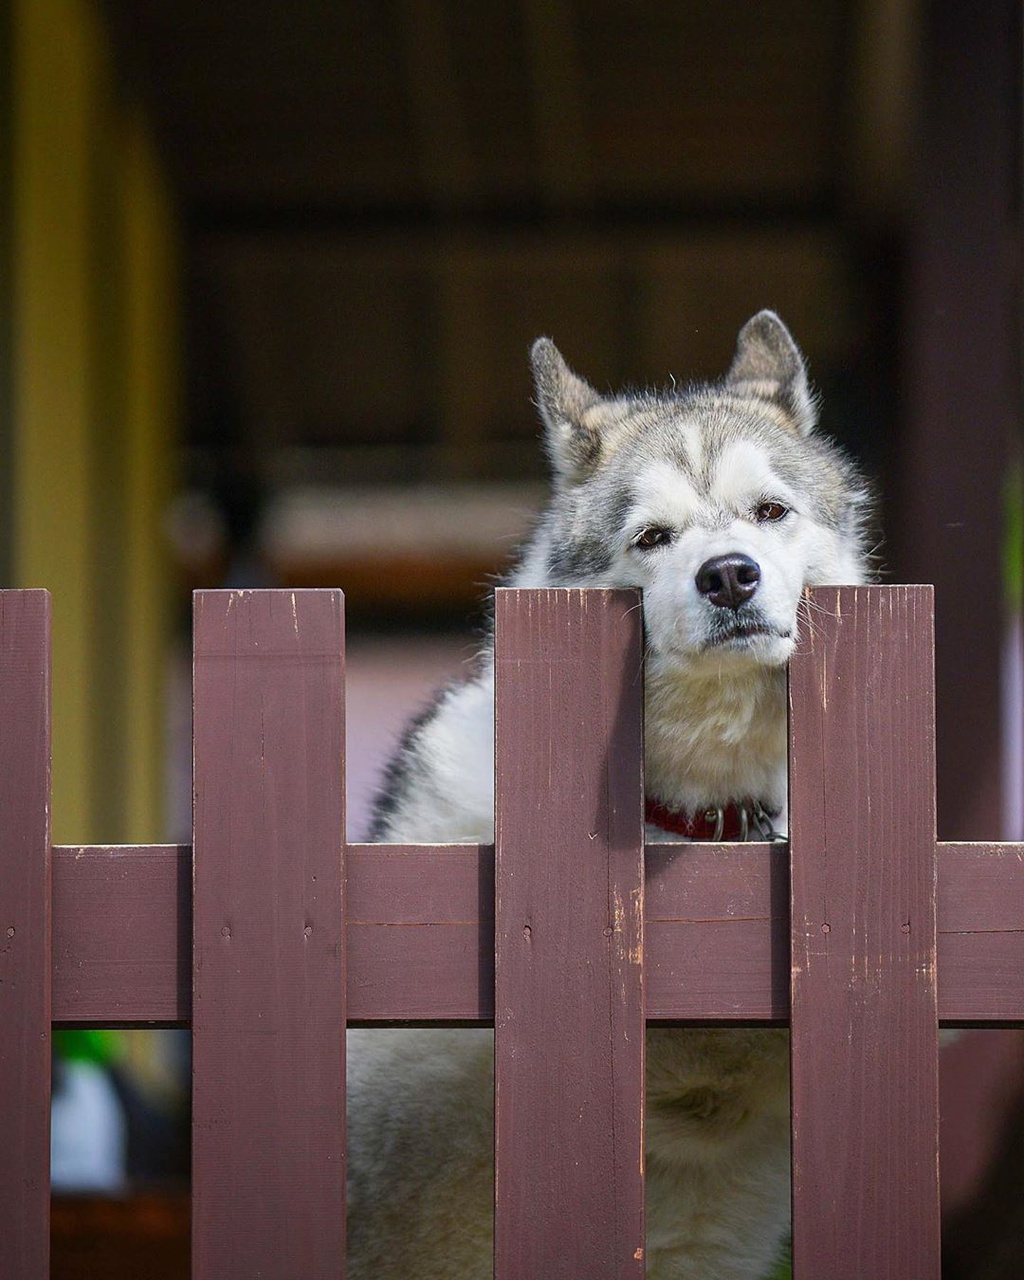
720	500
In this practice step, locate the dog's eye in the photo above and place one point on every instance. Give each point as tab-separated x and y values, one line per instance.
652	537
770	511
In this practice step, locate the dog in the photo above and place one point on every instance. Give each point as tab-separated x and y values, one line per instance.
722	501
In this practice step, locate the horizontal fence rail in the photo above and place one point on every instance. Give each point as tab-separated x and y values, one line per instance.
260	933
420	934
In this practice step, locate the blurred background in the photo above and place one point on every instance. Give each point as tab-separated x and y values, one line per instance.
270	272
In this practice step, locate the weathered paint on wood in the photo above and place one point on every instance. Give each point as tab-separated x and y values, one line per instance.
980	927
25	1015
863	1000
420	933
717	932
268	1170
421	928
569	1010
122	934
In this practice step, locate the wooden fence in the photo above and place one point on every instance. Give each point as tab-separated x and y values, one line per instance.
863	933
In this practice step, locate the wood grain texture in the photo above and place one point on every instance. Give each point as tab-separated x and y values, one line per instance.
420	933
122	934
421	927
980	926
25	934
268	1170
717	932
863	997
569	1009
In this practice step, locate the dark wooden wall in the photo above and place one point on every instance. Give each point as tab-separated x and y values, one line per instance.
962	372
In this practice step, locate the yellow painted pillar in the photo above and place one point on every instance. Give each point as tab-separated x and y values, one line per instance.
93	407
55	68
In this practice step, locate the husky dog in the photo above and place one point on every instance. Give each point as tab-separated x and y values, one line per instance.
723	504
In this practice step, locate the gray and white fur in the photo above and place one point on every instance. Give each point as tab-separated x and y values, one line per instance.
722	502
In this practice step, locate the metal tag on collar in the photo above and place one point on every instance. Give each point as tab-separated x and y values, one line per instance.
717	816
763	823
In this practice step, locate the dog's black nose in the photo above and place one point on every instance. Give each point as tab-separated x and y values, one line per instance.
728	581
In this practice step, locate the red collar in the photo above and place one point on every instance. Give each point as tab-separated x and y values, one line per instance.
735	821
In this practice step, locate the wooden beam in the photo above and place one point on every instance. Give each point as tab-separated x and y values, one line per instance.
568	936
268	1025
25	1012
863	1011
962	394
122	935
421	926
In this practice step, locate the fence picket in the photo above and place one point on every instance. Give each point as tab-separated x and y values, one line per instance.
569	1011
268	1021
25	1014
863	1002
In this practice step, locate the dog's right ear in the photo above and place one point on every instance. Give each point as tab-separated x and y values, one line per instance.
564	400
768	363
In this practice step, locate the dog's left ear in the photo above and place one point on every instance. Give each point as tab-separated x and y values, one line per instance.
768	363
564	399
